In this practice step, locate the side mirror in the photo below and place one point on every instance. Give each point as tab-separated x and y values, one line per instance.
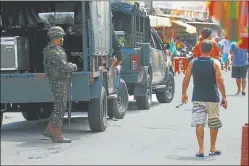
166	46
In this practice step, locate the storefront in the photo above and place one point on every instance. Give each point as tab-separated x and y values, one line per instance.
188	10
175	28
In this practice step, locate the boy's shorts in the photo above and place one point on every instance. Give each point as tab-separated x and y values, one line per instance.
203	109
225	57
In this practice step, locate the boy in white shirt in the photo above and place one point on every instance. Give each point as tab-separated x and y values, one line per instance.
225	48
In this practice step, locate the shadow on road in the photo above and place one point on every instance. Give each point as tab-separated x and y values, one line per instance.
132	107
234	95
191	158
30	132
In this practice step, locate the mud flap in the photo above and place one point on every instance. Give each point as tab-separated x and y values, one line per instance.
140	90
141	87
166	74
142	75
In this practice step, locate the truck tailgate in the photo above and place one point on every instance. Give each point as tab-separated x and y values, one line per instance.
126	63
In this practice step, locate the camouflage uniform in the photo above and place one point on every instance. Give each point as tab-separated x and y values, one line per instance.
58	72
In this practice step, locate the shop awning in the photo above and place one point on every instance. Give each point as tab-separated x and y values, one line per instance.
156	21
180	26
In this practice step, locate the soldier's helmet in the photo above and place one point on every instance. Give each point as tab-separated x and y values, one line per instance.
55	32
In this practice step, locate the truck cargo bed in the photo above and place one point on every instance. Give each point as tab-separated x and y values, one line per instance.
34	88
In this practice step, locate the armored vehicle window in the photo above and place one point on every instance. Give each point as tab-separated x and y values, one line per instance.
157	42
152	42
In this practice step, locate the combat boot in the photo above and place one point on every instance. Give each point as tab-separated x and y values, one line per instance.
54	133
48	132
58	138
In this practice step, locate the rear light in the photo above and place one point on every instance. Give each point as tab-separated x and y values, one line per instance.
135	62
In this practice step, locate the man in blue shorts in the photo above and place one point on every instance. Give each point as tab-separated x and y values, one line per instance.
239	67
207	79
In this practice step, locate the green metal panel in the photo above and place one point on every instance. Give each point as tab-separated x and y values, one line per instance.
95	89
144	58
33	89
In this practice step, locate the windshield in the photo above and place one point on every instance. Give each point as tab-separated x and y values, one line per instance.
55	18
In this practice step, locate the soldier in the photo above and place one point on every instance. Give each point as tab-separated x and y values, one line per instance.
58	71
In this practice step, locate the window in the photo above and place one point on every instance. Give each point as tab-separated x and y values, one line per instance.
157	42
152	42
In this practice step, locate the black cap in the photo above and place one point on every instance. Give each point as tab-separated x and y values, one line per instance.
206	32
206	46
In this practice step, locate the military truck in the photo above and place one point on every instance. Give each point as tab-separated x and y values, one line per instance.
146	69
96	86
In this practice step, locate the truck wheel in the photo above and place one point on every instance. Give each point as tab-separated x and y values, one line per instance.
97	114
1	119
169	91
37	113
144	102
118	107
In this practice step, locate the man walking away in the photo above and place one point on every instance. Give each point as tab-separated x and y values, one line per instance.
207	79
58	71
206	34
225	44
239	67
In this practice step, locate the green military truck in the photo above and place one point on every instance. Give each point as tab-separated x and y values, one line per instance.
96	86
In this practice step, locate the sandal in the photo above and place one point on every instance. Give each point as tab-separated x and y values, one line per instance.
215	153
243	93
199	155
237	93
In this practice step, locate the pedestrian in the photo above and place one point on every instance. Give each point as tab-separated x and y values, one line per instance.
217	40
207	79
173	47
58	71
239	67
225	44
206	34
179	43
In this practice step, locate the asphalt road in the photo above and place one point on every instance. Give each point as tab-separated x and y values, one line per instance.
161	135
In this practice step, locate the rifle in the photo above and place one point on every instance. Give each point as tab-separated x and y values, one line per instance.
70	101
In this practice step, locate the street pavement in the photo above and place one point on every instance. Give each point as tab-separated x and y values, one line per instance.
161	135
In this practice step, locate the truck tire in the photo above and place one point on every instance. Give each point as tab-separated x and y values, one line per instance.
169	91
97	114
1	119
36	112
144	102
117	107
36	115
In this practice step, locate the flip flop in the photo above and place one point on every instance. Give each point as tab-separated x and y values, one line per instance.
237	93
243	93
199	155
215	153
